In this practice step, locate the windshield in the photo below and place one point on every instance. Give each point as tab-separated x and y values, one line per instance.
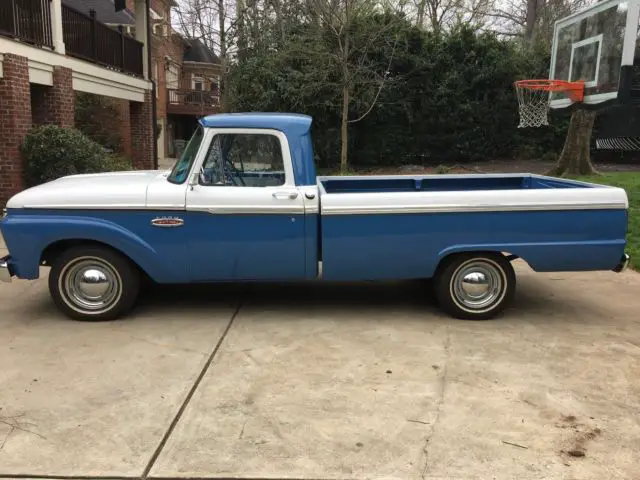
182	166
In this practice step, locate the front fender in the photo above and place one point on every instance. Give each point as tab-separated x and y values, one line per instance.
27	236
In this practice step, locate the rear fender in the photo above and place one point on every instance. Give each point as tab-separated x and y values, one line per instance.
554	256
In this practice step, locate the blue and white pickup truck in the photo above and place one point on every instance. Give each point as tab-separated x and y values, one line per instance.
244	204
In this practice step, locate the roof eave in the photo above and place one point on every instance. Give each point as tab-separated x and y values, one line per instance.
191	63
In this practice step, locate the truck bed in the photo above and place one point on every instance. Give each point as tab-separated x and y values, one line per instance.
401	226
444	183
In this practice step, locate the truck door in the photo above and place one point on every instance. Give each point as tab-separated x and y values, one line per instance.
245	216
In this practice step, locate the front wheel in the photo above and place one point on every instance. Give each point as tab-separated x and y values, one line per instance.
93	283
475	286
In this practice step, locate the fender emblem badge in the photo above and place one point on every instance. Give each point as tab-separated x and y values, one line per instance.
167	222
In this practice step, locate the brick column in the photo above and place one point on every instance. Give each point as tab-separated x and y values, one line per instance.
125	128
63	97
55	104
15	122
141	117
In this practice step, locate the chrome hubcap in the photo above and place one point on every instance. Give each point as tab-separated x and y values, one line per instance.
477	285
91	285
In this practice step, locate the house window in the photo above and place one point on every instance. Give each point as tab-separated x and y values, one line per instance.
173	75
197	83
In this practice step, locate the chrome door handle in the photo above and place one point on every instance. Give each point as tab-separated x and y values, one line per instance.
285	195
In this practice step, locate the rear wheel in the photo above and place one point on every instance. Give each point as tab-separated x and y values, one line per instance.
475	286
93	283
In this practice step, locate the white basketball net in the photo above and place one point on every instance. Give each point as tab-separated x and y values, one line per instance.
533	106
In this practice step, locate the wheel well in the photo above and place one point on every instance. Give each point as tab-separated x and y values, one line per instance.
52	251
443	261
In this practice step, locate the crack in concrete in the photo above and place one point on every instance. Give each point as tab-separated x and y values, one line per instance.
14	424
192	391
439	403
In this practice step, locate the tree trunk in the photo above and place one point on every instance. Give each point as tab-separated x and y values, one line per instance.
575	158
223	93
531	18
420	15
344	132
346	99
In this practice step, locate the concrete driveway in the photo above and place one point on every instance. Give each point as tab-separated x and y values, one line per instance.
326	381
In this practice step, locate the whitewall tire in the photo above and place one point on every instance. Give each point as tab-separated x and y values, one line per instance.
475	286
93	283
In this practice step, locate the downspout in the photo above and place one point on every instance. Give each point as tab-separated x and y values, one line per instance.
154	124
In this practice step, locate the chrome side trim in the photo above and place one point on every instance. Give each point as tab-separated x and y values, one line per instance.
439	208
5	271
250	210
312	209
104	207
116	206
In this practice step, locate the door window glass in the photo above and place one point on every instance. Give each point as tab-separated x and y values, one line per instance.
244	160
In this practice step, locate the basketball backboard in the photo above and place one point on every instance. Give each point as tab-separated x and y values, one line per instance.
596	45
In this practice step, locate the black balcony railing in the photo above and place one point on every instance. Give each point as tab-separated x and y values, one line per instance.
194	98
27	20
91	40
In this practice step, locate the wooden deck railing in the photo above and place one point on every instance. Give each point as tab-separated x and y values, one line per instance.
27	20
91	40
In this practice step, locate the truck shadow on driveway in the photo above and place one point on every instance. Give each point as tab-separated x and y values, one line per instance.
329	296
537	299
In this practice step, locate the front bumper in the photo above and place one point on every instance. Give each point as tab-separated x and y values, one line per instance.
623	264
5	270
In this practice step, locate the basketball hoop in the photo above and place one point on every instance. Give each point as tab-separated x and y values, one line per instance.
534	95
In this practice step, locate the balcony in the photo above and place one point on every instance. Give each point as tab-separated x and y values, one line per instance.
84	37
192	102
27	20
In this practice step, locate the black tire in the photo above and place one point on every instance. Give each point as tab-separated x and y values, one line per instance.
110	288
491	271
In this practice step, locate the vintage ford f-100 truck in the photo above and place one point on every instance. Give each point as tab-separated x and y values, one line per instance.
243	204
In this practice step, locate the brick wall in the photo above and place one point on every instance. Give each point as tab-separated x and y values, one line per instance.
142	140
15	122
40	105
55	104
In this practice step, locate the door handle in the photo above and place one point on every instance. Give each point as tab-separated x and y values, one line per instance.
285	195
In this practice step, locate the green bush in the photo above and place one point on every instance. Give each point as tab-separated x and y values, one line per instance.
51	152
115	163
96	116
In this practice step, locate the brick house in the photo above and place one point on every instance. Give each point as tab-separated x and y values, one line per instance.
49	51
186	73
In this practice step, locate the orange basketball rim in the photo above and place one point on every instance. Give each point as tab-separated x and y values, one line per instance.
575	90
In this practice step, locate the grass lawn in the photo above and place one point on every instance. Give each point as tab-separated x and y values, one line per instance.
630	181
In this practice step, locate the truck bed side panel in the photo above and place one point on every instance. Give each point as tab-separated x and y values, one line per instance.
360	247
405	235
